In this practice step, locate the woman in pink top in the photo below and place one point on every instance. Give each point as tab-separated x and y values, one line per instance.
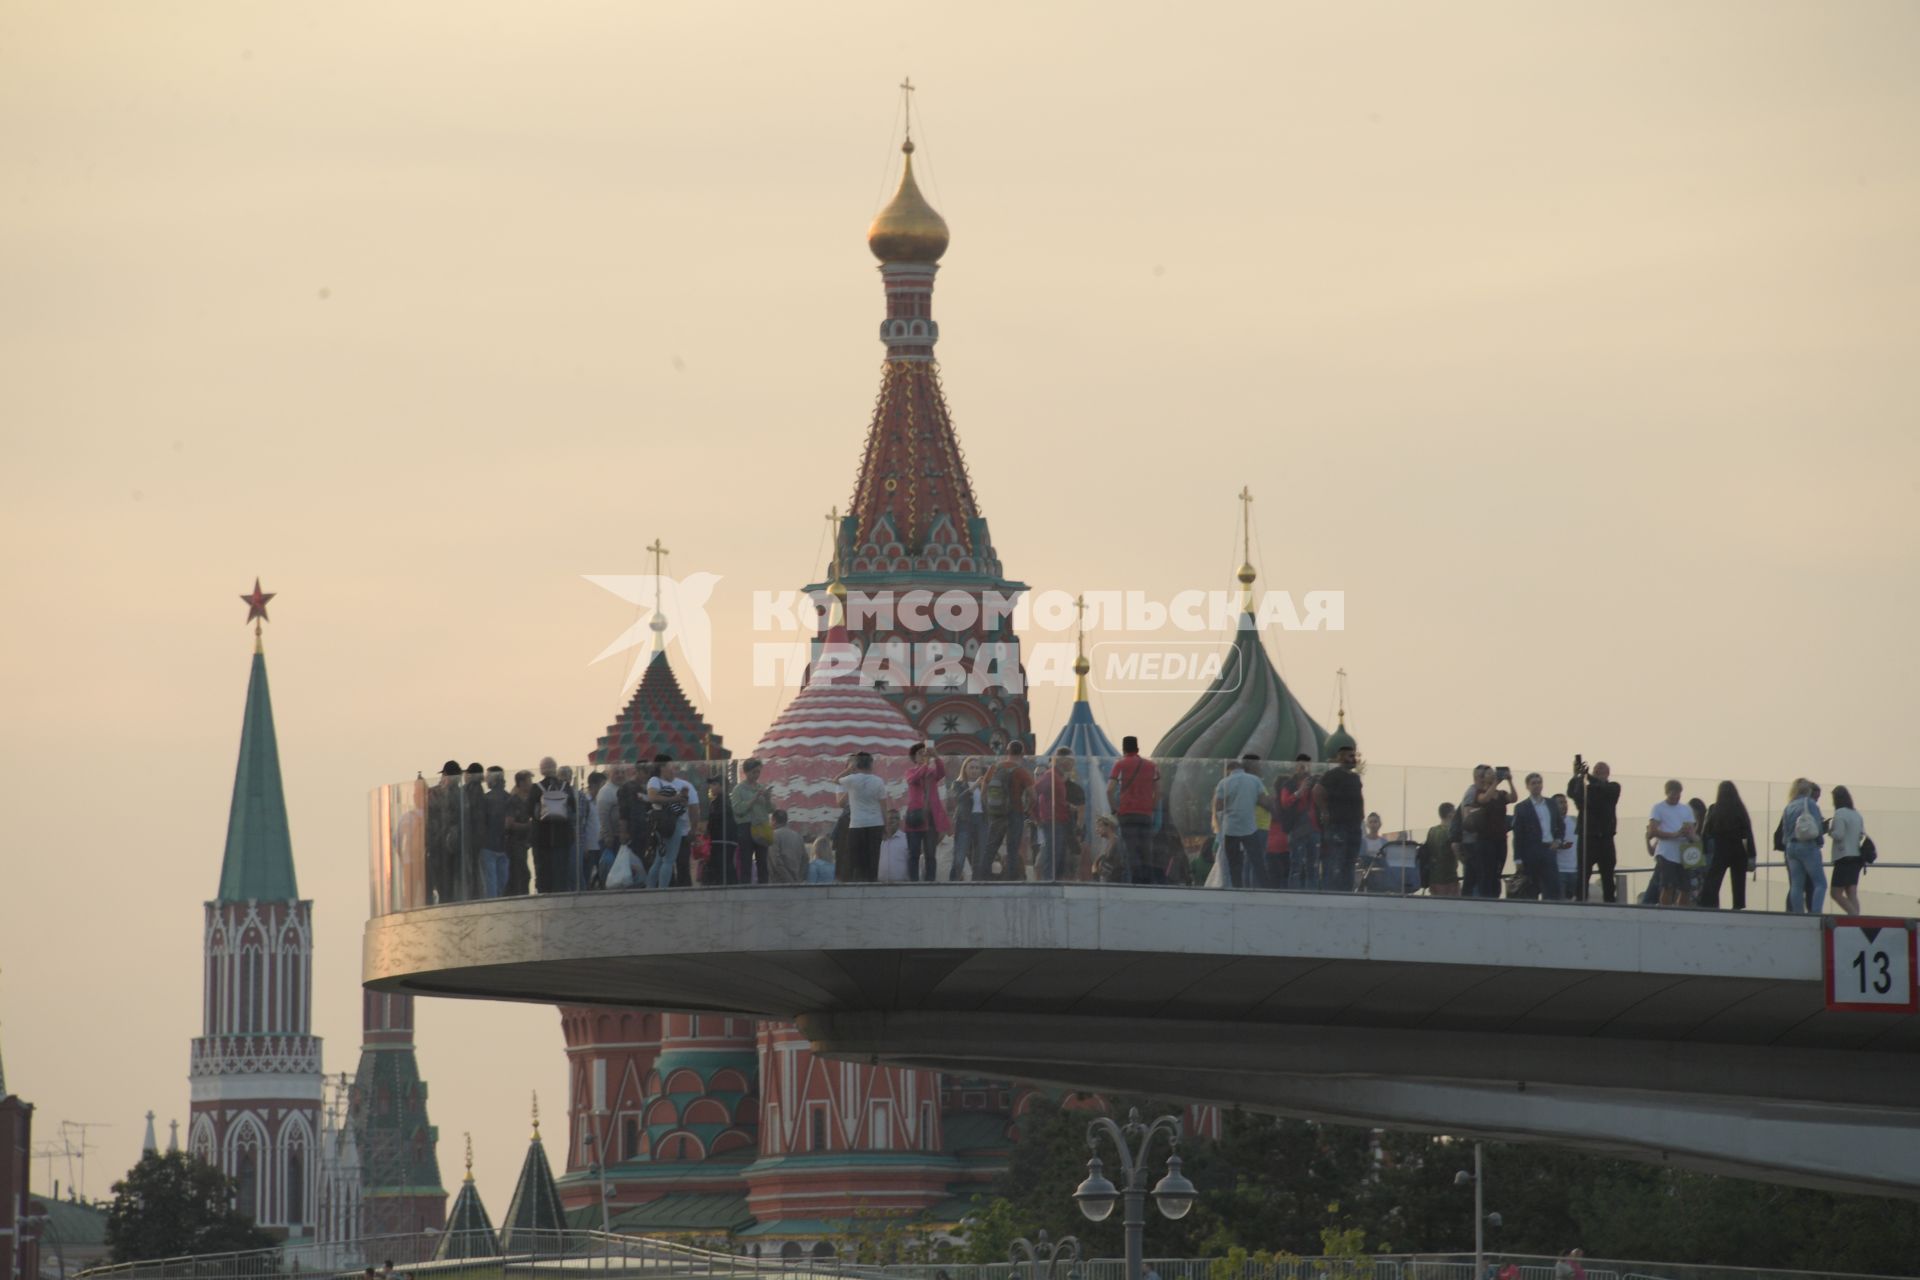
926	817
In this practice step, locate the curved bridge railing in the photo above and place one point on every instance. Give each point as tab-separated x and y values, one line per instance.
780	821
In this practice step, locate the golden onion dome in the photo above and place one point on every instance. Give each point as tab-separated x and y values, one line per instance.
908	229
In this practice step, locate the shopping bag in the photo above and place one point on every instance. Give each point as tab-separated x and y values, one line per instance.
626	869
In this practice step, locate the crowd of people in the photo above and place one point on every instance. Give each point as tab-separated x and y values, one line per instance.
1001	818
1562	843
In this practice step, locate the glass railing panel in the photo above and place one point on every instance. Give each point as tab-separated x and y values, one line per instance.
589	828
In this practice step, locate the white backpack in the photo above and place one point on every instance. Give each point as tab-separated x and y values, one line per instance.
553	804
1806	827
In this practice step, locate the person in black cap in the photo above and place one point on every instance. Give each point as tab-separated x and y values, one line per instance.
471	874
443	833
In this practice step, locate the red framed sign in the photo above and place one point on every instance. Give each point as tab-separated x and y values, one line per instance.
1871	964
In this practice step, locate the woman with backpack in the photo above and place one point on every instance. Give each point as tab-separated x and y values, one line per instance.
1729	835
1802	829
1846	828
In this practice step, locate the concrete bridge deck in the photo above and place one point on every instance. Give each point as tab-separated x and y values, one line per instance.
1697	1037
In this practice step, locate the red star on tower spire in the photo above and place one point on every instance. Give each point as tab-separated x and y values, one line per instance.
257	608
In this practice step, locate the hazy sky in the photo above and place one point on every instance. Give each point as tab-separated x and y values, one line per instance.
1575	343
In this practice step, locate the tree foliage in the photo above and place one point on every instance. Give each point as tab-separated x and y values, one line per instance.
1276	1186
174	1204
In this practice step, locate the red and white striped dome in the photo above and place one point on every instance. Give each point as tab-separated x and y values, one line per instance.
807	747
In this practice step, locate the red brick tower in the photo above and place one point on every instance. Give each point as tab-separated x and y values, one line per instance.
400	1189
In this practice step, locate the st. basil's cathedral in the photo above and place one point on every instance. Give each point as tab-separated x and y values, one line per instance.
711	1127
716	1125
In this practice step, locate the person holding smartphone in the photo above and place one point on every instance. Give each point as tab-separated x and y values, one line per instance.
1489	847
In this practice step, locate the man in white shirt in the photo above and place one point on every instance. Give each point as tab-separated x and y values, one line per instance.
1235	816
864	795
893	849
675	798
1670	827
1566	853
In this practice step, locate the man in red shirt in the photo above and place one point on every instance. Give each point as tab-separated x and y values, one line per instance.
1133	789
1058	798
1293	810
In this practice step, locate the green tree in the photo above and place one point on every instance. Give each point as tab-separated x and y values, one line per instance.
174	1204
1302	1188
993	1226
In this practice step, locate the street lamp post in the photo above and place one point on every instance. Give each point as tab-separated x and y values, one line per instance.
1479	1212
1173	1194
1043	1252
599	1140
1481	1218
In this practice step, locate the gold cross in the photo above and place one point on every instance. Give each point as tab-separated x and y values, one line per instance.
657	550
1246	523
906	105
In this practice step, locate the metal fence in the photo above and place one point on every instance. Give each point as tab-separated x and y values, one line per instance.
569	1253
591	1253
1377	1267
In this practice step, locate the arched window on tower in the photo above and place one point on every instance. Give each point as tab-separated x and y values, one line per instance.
243	1006
246	1169
292	994
295	1181
252	996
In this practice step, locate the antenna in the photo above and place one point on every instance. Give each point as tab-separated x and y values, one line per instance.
73	1149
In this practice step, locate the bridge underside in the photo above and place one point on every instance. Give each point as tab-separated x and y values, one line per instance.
1484	1086
1693	1038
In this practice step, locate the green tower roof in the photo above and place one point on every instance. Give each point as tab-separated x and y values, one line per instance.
259	860
536	1200
1247	708
469	1232
659	717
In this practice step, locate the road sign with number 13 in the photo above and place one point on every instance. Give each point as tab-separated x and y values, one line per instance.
1870	964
